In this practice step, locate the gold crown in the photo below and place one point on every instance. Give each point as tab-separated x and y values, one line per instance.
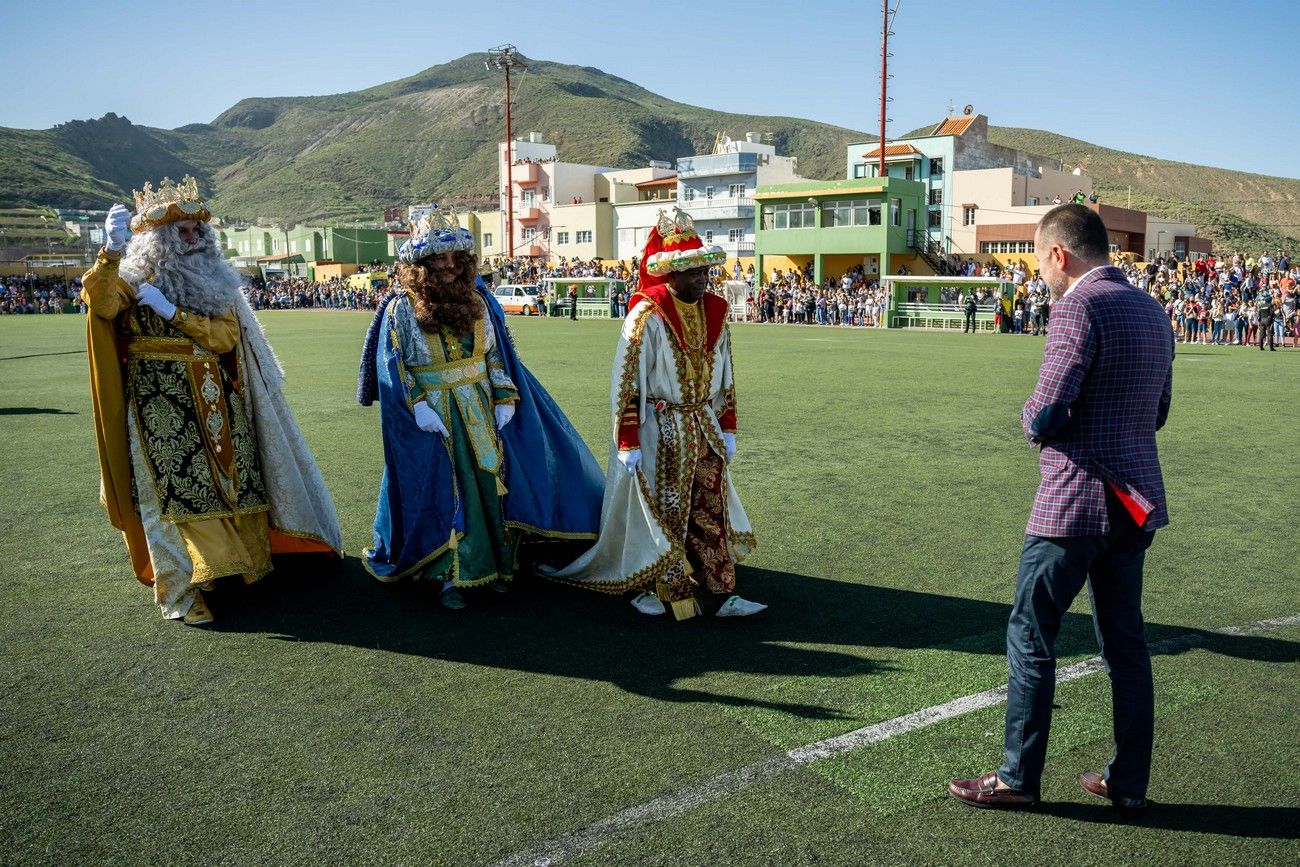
169	202
677	226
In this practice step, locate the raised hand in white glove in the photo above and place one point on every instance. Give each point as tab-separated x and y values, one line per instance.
117	228
151	296
504	412
630	459
729	440
428	419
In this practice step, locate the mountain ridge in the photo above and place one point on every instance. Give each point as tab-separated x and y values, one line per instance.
433	135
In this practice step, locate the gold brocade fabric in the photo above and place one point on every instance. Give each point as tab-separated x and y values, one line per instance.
198	442
238	545
693	330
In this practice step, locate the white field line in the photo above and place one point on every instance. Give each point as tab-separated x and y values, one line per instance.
688	798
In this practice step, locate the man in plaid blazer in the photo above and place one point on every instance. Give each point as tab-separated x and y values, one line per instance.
1103	391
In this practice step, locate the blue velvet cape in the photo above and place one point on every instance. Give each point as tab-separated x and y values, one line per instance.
554	485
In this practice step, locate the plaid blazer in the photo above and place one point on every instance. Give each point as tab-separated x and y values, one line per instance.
1103	391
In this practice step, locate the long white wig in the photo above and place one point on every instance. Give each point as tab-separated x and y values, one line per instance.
197	278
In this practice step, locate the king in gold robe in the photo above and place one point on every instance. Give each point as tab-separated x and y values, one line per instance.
203	467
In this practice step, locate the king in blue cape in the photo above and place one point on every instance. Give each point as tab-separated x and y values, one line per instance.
477	456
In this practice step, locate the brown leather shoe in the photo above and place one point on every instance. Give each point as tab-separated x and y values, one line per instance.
1095	784
984	792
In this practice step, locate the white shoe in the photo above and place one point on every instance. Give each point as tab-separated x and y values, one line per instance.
648	603
737	607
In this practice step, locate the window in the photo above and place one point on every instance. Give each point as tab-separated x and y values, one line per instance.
735	236
689	193
546	194
968	215
861	170
561	237
854	212
936	196
708	194
736	191
799	216
1033	200
708	236
934	218
895	212
529	233
1006	246
936	166
907	173
584	237
487	239
530	198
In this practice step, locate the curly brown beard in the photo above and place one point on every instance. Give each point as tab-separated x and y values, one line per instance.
453	305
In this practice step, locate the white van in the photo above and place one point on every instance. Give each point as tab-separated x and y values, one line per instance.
517	298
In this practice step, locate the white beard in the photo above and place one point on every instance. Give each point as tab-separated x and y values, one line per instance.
201	282
192	278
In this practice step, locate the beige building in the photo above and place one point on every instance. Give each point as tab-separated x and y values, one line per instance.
1004	195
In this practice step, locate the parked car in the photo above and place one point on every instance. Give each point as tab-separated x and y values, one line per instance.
517	298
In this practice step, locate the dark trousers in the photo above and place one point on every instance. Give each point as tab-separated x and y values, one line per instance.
1265	333
969	324
573	308
1052	572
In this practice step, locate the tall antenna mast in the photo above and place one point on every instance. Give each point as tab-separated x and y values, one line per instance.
887	21
505	57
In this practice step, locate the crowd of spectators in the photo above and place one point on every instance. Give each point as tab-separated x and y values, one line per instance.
25	295
336	293
792	297
1239	300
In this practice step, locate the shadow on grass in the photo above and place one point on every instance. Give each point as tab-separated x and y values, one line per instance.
42	355
1228	820
557	630
33	410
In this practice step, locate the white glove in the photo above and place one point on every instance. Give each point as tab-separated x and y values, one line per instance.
504	412
729	440
117	228
151	296
630	460
428	419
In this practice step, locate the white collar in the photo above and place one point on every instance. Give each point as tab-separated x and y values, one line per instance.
1082	277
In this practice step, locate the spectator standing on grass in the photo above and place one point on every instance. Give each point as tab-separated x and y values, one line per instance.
1103	391
969	308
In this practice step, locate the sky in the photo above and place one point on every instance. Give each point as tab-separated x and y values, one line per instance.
1182	81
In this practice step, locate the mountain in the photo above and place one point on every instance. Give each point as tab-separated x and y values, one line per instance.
433	136
1241	210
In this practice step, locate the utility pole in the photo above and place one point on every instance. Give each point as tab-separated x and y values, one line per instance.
887	21
505	57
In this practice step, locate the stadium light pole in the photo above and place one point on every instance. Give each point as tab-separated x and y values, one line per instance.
505	57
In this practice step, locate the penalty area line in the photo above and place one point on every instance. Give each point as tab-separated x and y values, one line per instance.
684	800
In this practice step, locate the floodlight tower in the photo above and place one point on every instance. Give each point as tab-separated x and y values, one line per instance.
506	58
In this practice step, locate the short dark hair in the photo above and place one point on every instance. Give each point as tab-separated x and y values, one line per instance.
1078	229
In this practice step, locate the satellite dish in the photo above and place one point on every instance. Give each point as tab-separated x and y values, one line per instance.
968	109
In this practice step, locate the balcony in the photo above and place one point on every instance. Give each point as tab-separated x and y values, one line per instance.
719	208
717	164
527	213
736	248
524	174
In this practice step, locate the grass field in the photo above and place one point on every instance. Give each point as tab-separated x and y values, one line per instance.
327	719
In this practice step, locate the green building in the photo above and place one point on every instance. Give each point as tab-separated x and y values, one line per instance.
837	225
298	249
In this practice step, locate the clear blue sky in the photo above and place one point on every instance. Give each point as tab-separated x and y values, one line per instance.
1190	81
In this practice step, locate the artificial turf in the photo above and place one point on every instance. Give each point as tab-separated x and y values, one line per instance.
328	719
